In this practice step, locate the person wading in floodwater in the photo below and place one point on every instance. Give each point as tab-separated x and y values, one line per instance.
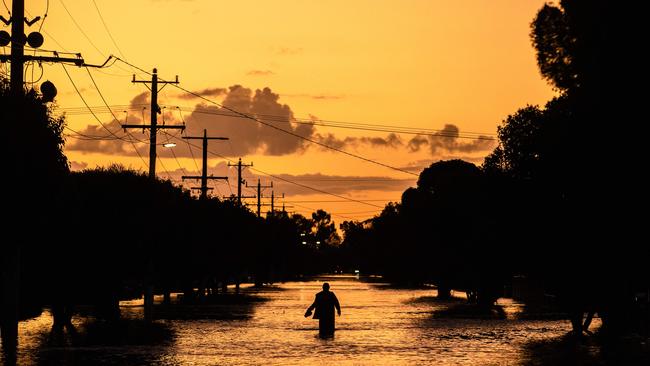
325	303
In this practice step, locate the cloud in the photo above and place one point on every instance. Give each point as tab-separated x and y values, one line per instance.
315	96
142	98
260	73
78	165
111	139
392	140
247	136
418	165
340	184
416	143
331	183
288	51
82	90
448	140
208	92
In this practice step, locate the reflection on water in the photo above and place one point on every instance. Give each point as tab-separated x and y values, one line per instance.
379	326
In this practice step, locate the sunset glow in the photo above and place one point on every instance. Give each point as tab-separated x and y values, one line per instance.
459	66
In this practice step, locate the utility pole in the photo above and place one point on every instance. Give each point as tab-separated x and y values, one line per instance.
273	201
204	177
10	255
17	45
240	181
284	206
153	131
155	110
259	196
34	40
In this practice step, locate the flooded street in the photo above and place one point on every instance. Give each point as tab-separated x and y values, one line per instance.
379	325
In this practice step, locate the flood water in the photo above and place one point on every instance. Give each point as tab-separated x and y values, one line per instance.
379	325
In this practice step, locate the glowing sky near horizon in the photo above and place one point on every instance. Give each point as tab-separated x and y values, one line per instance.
413	63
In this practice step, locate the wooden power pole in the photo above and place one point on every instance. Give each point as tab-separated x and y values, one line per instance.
204	176
10	252
259	196
240	181
153	131
153	126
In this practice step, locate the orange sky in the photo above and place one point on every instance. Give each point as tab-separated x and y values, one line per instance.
413	63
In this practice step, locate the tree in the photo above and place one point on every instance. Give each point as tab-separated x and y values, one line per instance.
578	179
32	151
452	199
325	229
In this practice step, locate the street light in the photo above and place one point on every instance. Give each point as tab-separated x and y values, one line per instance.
169	144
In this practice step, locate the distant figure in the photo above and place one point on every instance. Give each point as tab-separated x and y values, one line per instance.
325	303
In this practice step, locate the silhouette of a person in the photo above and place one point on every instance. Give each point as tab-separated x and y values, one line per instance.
324	304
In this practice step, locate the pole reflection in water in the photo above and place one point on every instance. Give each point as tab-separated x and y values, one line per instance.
379	325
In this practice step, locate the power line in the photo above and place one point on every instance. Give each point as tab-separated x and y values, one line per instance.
257	169
350	179
357	125
90	137
117	119
169	176
295	183
84	101
106	103
81	30
47	9
107	30
333	201
95	116
333	214
178	162
349	125
357	212
253	118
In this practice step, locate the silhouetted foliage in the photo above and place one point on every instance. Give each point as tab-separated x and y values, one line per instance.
126	230
569	172
36	171
442	232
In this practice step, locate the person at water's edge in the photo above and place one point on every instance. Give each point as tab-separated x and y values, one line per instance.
325	303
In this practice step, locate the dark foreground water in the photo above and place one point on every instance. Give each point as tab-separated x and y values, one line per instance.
380	325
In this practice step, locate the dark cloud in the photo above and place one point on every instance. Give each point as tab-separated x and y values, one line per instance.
418	165
390	141
113	140
340	184
209	92
260	73
247	136
78	165
331	183
142	98
416	143
449	140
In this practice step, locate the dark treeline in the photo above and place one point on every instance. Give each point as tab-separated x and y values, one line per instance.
123	231
102	235
557	202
